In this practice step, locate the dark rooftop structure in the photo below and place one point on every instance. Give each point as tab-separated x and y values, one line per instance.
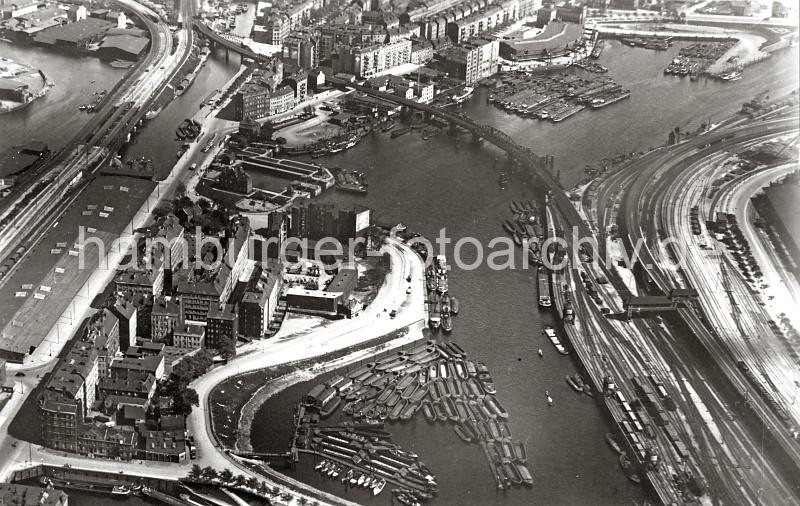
344	282
26	495
122	47
73	34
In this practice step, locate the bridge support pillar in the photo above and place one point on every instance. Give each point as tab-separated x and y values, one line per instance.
453	129
227	54
476	138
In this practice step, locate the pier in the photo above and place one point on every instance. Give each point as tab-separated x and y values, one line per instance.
283	459
287	169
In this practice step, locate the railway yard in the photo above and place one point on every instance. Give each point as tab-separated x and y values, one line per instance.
720	419
435	378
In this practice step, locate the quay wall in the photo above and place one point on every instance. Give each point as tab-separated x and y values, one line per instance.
318	369
583	363
99	478
611	33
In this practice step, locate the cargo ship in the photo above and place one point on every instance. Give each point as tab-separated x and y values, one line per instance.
400	131
544	289
351	181
610	99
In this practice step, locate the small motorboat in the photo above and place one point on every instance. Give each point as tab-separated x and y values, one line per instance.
120	490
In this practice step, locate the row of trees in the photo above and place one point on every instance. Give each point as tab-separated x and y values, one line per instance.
177	386
226	477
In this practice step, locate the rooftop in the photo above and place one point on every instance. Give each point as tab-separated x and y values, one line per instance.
74	32
128	43
25	495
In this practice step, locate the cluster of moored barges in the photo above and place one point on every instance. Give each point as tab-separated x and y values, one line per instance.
441	305
526	225
592	67
362	455
350	476
350	180
436	378
556	97
657	43
189	129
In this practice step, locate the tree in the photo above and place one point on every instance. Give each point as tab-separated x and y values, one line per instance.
210	474
286	496
252	483
185	400
162	209
240	480
226	475
195	472
180	189
302	501
275	491
227	345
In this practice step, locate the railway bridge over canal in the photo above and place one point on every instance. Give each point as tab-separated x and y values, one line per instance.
538	164
230	43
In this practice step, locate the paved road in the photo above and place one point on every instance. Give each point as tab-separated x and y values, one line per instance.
373	323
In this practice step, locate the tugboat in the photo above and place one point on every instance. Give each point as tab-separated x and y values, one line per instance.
447	322
453	305
627	468
613	444
120	490
571	382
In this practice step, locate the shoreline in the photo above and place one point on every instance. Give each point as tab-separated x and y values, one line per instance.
24	71
322	365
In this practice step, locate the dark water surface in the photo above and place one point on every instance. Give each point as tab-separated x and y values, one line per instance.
453	184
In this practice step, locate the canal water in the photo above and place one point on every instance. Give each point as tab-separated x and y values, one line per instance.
157	140
439	183
55	118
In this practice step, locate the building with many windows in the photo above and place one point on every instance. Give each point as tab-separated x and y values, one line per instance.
313	220
222	324
301	49
367	61
258	304
164	316
189	336
473	60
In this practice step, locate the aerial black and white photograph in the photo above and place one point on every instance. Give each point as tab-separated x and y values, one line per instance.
400	252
